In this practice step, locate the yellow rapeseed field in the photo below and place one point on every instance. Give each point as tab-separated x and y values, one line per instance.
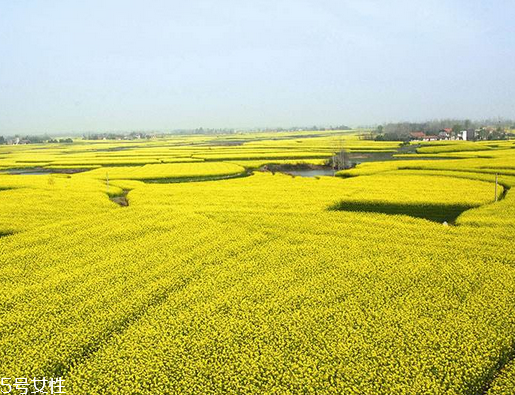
257	283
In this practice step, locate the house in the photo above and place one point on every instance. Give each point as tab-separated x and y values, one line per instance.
417	135
445	134
14	141
468	135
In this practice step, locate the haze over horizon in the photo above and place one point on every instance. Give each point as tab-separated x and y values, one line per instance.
159	65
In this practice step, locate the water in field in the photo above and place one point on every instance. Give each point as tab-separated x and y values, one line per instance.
312	172
30	172
41	171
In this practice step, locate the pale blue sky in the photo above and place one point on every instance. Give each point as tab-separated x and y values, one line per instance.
143	65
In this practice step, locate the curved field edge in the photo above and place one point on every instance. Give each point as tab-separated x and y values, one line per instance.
504	382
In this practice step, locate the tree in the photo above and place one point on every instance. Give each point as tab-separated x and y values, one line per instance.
497	134
341	160
456	129
2	140
482	133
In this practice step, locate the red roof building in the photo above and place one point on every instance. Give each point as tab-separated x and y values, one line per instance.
417	135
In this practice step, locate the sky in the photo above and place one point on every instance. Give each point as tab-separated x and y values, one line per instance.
109	65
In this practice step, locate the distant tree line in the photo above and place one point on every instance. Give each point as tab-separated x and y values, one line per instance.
117	136
200	130
30	139
66	141
306	128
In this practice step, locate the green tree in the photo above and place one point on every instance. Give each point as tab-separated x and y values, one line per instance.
456	129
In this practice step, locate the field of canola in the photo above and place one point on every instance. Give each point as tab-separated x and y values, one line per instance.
263	283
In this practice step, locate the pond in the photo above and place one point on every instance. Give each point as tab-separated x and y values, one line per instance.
312	172
40	171
30	172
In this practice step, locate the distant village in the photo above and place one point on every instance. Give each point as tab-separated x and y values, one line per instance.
443	130
468	135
